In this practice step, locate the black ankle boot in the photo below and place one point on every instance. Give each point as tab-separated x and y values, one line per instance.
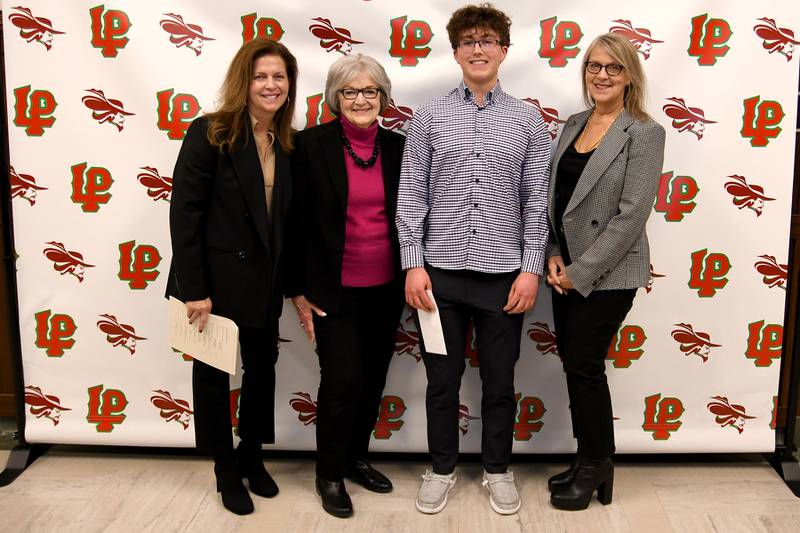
335	499
229	482
565	478
591	475
251	466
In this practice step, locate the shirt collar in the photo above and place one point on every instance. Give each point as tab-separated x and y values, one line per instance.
491	96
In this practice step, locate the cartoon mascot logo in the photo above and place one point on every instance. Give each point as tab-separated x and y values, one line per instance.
464	418
549	115
396	117
44	405
105	109
306	408
24	186
775	39
158	187
746	195
640	38
728	414
33	28
332	39
774	274
66	261
693	342
182	34
407	340
685	118
171	409
544	337
119	334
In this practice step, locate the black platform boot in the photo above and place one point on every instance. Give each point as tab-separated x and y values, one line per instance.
591	475
565	478
229	482
251	466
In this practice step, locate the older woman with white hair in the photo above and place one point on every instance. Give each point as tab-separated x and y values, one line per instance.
344	269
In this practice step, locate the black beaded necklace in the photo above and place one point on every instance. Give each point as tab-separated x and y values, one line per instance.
357	160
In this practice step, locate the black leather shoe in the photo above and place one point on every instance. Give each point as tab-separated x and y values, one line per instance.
365	475
591	475
335	499
563	479
234	495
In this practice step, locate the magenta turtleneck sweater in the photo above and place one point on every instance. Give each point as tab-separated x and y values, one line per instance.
367	259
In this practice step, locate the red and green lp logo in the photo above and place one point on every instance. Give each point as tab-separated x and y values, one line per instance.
106	408
662	416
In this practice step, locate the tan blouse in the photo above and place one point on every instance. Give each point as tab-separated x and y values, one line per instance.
265	142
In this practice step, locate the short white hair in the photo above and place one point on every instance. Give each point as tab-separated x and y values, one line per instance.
348	67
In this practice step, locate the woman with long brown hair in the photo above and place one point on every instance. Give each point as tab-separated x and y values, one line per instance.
231	190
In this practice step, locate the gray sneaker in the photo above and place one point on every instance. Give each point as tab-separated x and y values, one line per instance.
432	495
503	495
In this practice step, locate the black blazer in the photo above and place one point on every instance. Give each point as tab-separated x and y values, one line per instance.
318	215
224	244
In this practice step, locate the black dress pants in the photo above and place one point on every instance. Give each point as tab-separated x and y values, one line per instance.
462	295
584	329
355	346
212	408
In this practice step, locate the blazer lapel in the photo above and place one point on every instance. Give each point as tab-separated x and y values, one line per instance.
334	155
604	154
251	178
281	199
389	168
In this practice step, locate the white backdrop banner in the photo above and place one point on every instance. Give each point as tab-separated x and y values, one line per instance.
100	96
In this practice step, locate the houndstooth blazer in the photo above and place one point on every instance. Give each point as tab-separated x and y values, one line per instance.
604	222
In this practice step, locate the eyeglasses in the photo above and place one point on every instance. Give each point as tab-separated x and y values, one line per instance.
612	69
487	45
350	93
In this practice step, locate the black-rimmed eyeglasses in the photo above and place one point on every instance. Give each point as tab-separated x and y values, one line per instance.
487	45
350	93
612	69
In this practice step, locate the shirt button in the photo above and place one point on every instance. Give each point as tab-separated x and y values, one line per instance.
474	231
477	180
475	205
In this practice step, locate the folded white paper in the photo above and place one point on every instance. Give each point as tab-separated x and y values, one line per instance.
217	345
431	325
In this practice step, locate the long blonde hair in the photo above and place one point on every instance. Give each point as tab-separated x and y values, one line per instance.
228	122
625	53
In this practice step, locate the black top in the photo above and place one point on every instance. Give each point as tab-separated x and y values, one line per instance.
569	171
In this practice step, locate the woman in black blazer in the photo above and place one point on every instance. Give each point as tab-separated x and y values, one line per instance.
231	193
344	272
603	183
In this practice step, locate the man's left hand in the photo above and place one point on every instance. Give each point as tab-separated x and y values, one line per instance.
523	292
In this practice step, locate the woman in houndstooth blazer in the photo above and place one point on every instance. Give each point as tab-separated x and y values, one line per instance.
604	179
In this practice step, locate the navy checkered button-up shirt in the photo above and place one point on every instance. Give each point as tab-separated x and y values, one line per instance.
473	186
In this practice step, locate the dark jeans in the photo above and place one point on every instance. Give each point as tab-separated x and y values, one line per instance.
584	329
355	346
462	295
212	405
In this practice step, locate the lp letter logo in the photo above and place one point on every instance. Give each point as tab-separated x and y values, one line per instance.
106	408
175	113
318	111
764	343
108	30
409	40
558	42
262	28
760	121
708	39
708	272
33	110
661	416
392	410
675	195
90	187
626	346
54	333
530	411
137	264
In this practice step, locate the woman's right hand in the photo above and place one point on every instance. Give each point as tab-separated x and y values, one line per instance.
555	267
304	310
198	310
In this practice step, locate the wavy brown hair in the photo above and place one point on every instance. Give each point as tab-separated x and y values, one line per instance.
484	16
229	120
